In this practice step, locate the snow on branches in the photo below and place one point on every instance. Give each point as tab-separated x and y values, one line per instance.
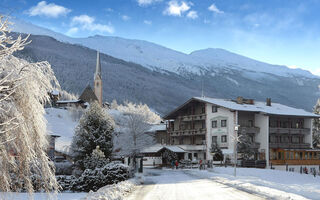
133	121
24	90
95	128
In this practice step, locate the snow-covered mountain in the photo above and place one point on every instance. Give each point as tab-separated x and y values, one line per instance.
155	56
165	78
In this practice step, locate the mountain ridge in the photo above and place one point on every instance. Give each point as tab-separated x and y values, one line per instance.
155	56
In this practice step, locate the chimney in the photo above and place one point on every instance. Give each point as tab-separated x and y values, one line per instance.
239	100
268	103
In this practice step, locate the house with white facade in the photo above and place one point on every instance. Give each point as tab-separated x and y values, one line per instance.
279	134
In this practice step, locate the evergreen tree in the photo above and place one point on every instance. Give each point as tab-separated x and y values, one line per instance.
216	151
316	125
244	146
95	128
96	159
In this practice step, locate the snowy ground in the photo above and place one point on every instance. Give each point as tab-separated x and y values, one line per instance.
178	185
221	184
42	196
60	123
271	183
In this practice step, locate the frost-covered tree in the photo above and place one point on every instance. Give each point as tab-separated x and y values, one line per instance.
133	123
316	125
245	146
96	159
95	128
24	90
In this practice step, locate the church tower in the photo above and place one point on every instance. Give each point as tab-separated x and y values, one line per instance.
98	80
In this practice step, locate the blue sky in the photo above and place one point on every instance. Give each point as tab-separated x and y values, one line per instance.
274	31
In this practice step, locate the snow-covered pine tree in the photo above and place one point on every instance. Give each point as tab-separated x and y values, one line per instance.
316	126
95	128
24	90
244	146
96	159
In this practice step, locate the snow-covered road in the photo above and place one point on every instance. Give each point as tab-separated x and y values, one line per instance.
178	185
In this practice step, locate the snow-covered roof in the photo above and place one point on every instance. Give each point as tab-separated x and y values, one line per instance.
158	127
60	123
258	106
69	101
55	92
157	148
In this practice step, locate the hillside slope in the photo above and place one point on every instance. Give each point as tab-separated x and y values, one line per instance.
74	66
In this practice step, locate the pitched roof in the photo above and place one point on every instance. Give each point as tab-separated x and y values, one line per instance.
258	106
157	148
88	95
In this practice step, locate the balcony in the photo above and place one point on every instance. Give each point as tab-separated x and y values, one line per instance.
244	130
289	145
193	117
188	132
255	145
302	131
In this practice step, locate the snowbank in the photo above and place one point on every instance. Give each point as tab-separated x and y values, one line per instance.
270	183
116	191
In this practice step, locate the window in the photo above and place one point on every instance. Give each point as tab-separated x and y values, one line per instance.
162	141
214	139
250	123
214	109
214	124
224	123
203	124
203	109
195	155
295	139
224	139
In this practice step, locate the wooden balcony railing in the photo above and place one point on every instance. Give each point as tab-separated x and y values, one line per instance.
289	145
201	131
289	130
295	162
193	117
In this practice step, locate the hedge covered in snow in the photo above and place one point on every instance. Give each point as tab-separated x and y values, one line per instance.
93	179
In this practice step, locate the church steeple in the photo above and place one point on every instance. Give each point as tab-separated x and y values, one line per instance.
98	66
98	80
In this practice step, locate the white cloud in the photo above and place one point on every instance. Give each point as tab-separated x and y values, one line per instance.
176	9
147	2
214	8
148	22
125	17
48	10
88	23
192	14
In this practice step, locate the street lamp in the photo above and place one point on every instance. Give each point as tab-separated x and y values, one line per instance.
236	128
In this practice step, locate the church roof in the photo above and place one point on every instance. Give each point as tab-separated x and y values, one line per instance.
88	95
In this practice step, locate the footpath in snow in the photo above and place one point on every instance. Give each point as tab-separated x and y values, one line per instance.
270	183
171	184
